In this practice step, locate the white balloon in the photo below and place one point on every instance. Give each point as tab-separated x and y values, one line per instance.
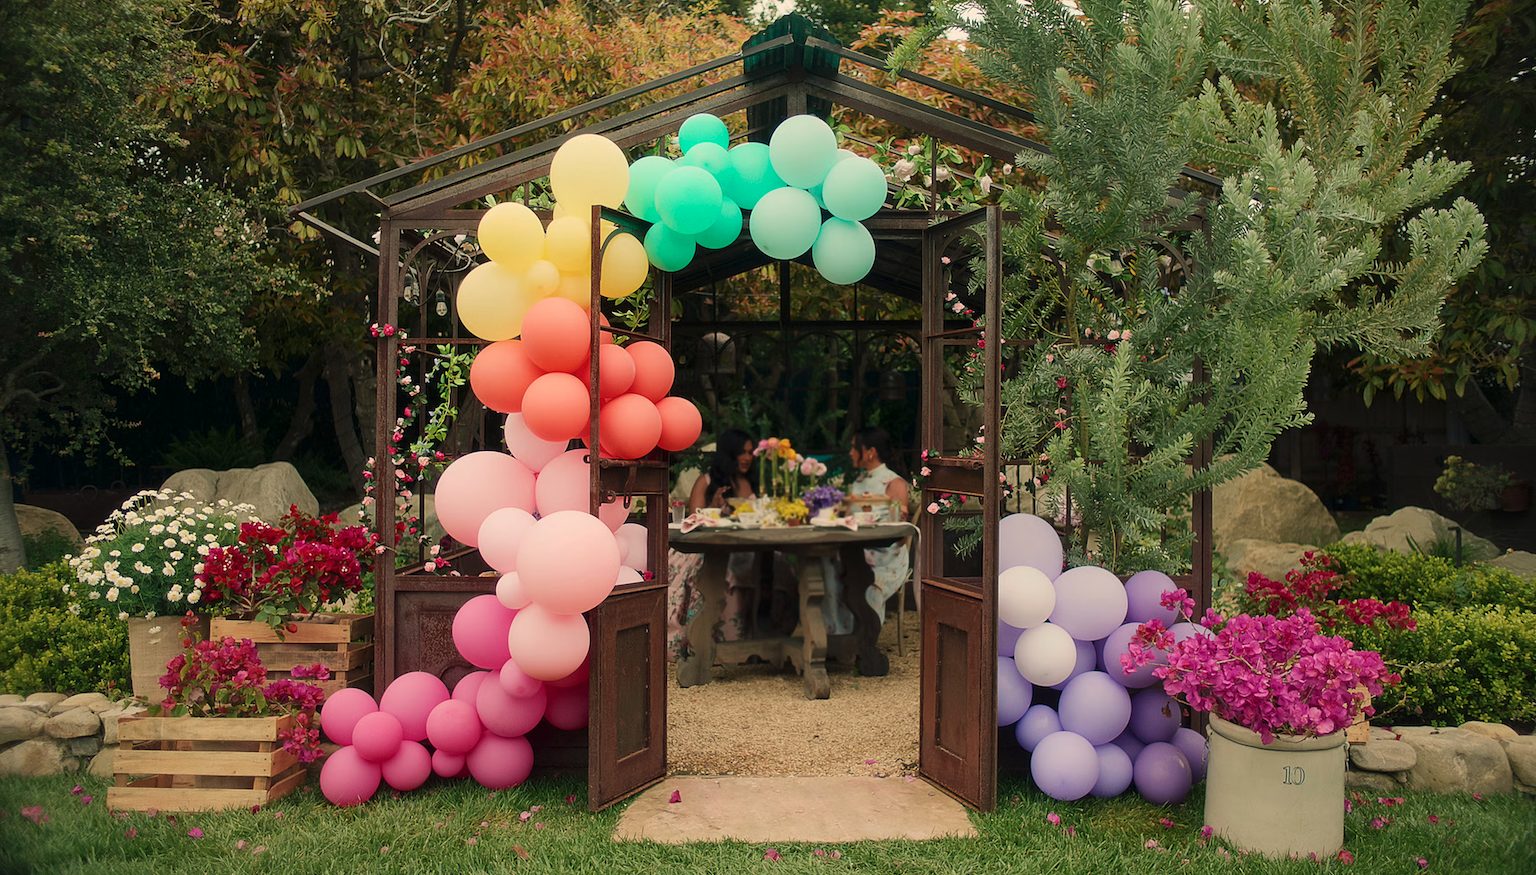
510	592
1045	655
1025	597
1090	602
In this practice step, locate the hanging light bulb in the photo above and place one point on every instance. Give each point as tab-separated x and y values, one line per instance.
442	303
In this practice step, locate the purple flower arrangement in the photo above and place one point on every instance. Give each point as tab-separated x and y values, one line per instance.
822	497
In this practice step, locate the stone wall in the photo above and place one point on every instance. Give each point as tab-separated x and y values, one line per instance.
48	733
1473	758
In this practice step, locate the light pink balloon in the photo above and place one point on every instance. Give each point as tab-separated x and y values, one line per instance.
480	631
517	682
342	710
634	543
575	678
567	708
475	485
377	736
506	715
628	575
469	685
546	645
511	593
498	763
454	726
448	765
568	562
411	697
500	536
347	779
527	447
563	485
409	768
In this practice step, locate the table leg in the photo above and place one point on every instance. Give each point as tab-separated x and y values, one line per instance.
857	578
709	588
813	626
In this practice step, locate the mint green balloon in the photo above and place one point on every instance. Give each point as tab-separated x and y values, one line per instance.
818	191
710	156
802	148
751	175
844	251
644	176
667	249
725	230
854	190
703	128
785	223
688	200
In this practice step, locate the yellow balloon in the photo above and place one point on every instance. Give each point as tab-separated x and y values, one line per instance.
576	287
543	278
512	235
624	266
589	169
568	243
492	300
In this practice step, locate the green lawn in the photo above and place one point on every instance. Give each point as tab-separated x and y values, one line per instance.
459	828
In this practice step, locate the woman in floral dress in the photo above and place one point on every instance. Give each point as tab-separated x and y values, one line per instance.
731	474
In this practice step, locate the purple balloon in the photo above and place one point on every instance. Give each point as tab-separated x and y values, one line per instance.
1007	637
1096	707
1144	594
1117	645
1154	716
1037	722
1130	744
1192	745
1115	771
1162	774
1025	539
1185	631
1090	602
1013	692
1065	766
1087	660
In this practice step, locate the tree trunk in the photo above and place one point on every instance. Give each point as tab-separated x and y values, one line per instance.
338	379
302	422
13	553
1477	413
249	428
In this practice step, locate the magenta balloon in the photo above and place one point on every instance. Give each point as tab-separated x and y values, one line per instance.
409	768
1129	743
1154	716
1013	692
1037	722
1094	706
1065	766
377	736
575	678
480	631
564	485
1087	660
454	726
547	645
469	685
411	697
1116	646
1090	602
634	544
1162	774
342	710
527	447
507	716
569	562
475	485
1025	539
1007	638
347	779
499	763
1115	771
500	536
1192	745
516	682
448	765
510	592
1144	592
567	708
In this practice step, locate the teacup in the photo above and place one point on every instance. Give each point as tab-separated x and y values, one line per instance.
749	518
709	513
866	517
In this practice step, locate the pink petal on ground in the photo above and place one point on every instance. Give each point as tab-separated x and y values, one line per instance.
1423	863
677	796
195	832
86	800
240	845
1071	831
1166	823
539	825
1346	858
870	762
132	832
837	855
76	790
771	855
34	813
1053	819
1206	831
523	816
1151	843
570	799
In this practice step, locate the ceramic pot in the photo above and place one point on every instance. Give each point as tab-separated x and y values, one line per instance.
1283	798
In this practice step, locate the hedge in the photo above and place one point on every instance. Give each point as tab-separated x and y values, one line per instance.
44	647
1428	581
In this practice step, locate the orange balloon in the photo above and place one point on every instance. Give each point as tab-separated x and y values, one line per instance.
654	370
607	336
681	423
616	371
557	335
500	374
556	407
628	427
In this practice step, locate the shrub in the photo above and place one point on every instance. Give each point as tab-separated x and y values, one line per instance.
47	546
44	646
1427	581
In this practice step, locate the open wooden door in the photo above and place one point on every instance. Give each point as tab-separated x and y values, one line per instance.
958	747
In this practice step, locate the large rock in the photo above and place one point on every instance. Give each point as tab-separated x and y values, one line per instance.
1409	526
1383	756
110	718
11	699
1458	761
1495	731
101	764
1518	561
1371	782
37	756
1269	558
19	724
1263	505
270	488
37	520
44	701
1521	751
96	702
73	724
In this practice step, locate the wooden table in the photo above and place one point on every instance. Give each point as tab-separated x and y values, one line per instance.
807	652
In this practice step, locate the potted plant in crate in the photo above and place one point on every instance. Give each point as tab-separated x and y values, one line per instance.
143	564
1469	486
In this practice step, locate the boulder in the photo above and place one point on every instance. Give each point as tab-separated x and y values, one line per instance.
37	520
19	724
1521	751
11	699
1383	756
1495	731
1261	504
1518	561
270	488
1458	761
109	720
34	757
101	764
84	746
1269	558
1406	527
434	529
73	724
1371	782
95	702
44	701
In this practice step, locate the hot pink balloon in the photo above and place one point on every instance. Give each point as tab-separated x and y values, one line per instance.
546	645
469	685
567	708
347	779
506	715
377	736
510	592
527	447
634	544
480	631
500	536
448	765
409	768
564	485
498	763
454	726
568	562
411	697
475	485
575	678
342	710
517	683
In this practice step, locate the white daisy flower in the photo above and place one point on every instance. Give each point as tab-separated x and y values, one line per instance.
137	548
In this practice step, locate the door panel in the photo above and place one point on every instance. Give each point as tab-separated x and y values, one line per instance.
627	749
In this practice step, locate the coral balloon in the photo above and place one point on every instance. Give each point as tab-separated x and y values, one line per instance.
542	278
567	708
480	631
469	685
557	335
589	169
454	726
410	698
527	447
492	300
474	486
512	235
501	373
500	536
409	768
625	266
616	371
449	765
556	408
681	423
634	545
564	485
516	682
498	763
506	715
654	370
341	712
629	427
547	645
510	592
568	245
347	779
568	564
377	736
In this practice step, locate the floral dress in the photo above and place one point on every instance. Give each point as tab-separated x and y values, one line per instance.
889	564
683	602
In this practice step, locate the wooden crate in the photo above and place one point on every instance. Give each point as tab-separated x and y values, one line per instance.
201	763
342	643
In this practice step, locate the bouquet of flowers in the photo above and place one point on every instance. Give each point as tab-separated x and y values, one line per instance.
144	560
818	497
791	510
782	471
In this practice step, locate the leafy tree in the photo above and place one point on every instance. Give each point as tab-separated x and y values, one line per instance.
847	19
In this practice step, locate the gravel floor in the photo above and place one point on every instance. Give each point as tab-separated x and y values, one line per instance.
755	720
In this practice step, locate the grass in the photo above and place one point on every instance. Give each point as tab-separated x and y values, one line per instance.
461	828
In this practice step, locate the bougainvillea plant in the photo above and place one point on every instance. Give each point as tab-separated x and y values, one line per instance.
1312	586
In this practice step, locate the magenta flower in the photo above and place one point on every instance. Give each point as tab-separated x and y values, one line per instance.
1053	819
195	832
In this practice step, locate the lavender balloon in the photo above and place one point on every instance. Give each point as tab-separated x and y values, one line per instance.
1144	594
1096	707
1037	722
1192	745
1090	602
1013	692
1162	774
1087	660
1025	539
1115	771
1116	646
1154	716
1007	638
1065	766
1185	631
1129	743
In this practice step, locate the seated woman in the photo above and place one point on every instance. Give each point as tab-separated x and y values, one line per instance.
731	474
871	453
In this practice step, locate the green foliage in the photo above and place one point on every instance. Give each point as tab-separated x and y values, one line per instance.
216	448
47	547
46	647
1428	582
1469	486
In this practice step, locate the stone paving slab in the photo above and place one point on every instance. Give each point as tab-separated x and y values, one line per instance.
792	809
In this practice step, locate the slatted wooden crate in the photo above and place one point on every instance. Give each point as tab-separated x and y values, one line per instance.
342	643
201	763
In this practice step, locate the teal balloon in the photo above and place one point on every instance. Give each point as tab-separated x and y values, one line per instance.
726	228
785	223
802	149
688	200
703	128
667	249
751	175
644	176
819	191
843	252
710	156
854	190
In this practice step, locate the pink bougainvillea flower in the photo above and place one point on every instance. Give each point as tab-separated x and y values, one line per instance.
86	800
570	799
539	825
76	790
772	855
869	762
1348	806
1071	831
523	816
195	832
383	849
240	845
1152	844
1477	796
1206	831
677	796
471	841
1434	818
1167	823
1346	858
262	849
1053	819
34	813
818	853
1389	801
1380	822
1422	863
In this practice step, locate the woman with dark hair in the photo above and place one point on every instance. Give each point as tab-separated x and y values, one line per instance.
731	474
871	453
